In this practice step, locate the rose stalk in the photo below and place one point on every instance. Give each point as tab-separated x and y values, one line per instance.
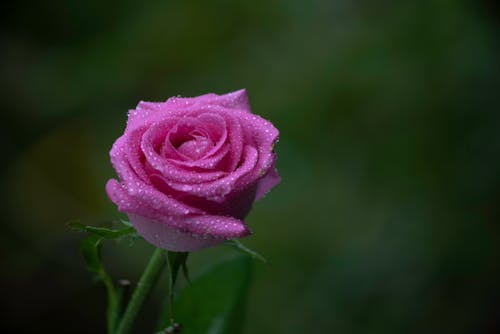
189	170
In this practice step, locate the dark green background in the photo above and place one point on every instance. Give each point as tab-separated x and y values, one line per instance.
387	217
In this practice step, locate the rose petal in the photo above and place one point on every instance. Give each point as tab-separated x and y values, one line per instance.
236	139
217	226
264	135
120	162
146	112
163	165
233	100
140	115
145	200
133	153
267	182
236	204
197	231
206	163
213	126
217	190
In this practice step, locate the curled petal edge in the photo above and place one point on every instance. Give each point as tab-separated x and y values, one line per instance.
266	183
200	231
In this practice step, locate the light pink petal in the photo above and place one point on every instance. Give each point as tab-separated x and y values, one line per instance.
236	139
142	113
210	125
215	125
130	151
264	135
197	232
236	204
118	195
236	135
144	200
182	139
267	182
206	163
233	100
168	170
217	190
120	162
217	226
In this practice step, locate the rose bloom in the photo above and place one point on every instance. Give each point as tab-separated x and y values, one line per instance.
190	168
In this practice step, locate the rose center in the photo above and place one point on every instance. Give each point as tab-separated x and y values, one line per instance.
194	147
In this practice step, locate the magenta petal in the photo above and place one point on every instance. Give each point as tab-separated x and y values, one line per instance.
206	163
233	100
236	137
126	164
145	200
143	111
163	165
267	182
217	226
236	100
163	236
263	134
117	195
216	190
198	232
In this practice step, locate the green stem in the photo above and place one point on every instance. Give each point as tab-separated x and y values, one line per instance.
112	310
146	283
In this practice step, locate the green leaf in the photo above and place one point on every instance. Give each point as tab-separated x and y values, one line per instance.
91	252
235	243
214	302
104	232
126	223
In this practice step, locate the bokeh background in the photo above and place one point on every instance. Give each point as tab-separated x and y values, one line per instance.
387	217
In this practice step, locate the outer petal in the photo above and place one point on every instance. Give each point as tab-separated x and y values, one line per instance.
199	232
119	161
233	100
148	112
142	113
267	182
237	204
145	200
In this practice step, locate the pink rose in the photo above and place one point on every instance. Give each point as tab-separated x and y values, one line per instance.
190	169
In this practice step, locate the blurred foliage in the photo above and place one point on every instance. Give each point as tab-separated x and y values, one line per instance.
387	218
